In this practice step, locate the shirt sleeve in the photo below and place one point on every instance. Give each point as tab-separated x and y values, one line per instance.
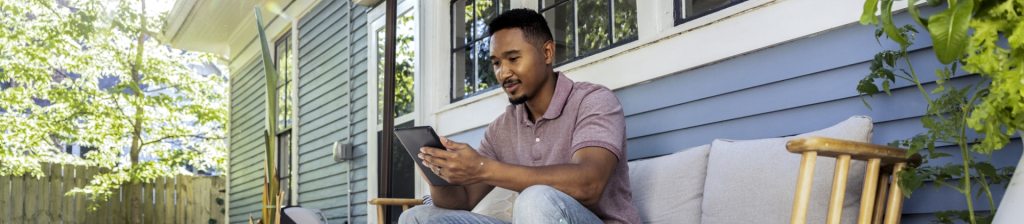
600	123
487	143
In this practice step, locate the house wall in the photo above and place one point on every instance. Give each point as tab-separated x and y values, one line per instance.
332	105
797	86
245	165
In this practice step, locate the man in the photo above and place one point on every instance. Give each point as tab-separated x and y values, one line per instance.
561	144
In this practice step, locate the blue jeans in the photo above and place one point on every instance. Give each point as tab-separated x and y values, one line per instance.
536	204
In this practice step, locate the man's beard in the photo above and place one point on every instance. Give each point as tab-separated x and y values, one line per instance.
518	100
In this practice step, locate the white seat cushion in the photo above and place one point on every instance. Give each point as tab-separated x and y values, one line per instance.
669	189
754	181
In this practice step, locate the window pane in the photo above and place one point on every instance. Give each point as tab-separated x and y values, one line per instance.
470	78
284	154
405	55
470	20
485	11
505	5
560	20
485	71
625	20
548	3
594	28
701	7
459	29
459	72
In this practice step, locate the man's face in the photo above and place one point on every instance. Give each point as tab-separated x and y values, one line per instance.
520	66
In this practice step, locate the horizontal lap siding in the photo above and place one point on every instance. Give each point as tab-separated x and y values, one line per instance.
246	148
795	87
332	61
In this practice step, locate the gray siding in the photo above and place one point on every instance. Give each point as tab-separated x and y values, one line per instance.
332	70
795	87
247	147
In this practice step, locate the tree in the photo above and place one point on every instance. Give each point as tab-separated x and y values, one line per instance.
92	73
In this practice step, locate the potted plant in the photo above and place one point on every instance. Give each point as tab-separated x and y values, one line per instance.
979	37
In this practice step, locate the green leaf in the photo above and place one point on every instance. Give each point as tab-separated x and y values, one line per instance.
986	169
948	30
868	16
889	27
914	13
909	180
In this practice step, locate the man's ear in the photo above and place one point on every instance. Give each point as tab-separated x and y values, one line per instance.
549	52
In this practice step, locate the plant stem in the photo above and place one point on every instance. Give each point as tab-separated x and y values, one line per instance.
966	157
917	81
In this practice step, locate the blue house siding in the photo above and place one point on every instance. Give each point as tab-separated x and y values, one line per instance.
332	70
246	146
795	87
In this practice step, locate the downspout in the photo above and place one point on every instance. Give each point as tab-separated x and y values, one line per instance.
348	117
389	97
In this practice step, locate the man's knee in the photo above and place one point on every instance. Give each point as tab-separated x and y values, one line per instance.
418	214
540	199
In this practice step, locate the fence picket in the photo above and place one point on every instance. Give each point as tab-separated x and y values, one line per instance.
18	199
93	216
32	199
183	196
67	183
55	207
158	200
5	199
180	199
168	207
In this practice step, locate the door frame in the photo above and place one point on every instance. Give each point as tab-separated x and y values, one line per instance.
375	21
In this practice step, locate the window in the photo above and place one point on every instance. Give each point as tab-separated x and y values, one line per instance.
285	62
686	10
585	27
405	67
471	51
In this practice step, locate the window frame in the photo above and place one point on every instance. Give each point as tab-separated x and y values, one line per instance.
455	48
677	14
576	29
285	133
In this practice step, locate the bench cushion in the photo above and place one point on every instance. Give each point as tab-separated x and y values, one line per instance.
669	189
754	181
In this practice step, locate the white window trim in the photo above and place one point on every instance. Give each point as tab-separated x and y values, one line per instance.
375	21
658	47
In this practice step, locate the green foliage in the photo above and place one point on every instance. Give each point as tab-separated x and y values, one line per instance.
91	73
981	37
405	53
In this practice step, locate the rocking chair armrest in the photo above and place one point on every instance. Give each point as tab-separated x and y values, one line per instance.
831	147
396	201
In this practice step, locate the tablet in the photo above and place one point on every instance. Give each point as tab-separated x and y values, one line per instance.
415	137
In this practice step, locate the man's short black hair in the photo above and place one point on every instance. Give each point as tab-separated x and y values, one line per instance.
535	28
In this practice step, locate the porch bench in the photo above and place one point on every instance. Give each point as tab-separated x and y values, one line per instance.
752	181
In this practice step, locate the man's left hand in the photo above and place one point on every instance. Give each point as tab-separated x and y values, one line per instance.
459	164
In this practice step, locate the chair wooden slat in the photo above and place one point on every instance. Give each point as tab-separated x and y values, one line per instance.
867	196
835	202
803	187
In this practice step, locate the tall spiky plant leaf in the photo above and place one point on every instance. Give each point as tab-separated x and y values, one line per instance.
271	184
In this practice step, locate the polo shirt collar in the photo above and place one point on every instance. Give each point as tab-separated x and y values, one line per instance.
562	90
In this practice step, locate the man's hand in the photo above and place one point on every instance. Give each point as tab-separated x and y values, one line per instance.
459	164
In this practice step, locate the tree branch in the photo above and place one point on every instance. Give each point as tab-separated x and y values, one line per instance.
201	136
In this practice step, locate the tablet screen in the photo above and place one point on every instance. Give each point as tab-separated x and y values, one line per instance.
412	140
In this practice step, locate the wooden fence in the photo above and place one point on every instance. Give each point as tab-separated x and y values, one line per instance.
183	199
